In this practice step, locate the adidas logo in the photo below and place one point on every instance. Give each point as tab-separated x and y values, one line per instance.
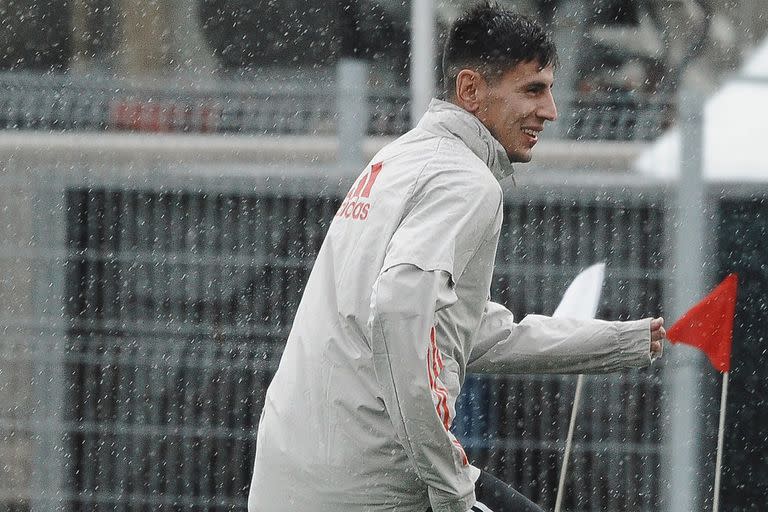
356	205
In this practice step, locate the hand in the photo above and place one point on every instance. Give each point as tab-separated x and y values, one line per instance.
657	335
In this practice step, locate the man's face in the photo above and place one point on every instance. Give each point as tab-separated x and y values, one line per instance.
515	107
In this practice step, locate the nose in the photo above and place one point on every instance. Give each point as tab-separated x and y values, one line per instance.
547	108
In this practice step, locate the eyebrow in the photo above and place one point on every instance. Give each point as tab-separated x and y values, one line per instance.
536	84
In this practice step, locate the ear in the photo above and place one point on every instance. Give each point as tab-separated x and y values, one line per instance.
470	90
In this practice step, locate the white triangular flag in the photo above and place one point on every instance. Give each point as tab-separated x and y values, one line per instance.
582	297
579	301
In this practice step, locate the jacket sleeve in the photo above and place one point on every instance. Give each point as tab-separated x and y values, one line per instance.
543	344
406	361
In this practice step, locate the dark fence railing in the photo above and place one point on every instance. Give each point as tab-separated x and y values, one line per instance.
76	103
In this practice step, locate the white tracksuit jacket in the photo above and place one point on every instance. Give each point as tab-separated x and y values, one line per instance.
395	313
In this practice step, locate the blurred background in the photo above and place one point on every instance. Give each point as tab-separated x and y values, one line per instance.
169	170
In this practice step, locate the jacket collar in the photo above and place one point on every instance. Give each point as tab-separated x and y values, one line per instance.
444	118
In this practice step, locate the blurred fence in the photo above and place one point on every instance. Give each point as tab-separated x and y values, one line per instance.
71	102
143	319
68	102
615	115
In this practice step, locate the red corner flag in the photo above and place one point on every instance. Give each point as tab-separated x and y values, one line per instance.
708	325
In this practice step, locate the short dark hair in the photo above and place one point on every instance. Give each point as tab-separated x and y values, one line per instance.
492	40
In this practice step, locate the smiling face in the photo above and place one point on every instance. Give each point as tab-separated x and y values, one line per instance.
514	107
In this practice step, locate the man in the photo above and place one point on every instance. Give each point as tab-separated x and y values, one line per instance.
396	310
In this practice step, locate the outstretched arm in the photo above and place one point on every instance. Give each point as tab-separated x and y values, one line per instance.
541	344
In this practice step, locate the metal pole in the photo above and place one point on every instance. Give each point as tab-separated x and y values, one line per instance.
569	443
570	20
49	460
190	50
422	57
720	436
352	109
352	89
682	393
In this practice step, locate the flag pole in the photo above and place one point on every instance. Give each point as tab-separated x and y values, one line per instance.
720	435
568	442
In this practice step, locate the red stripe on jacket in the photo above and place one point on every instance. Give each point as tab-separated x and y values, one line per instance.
435	365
